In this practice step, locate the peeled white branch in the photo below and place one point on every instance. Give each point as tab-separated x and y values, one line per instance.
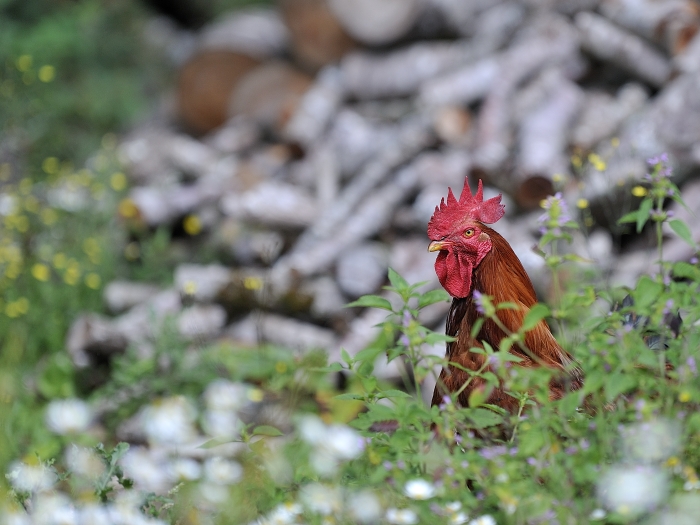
536	49
670	23
401	72
543	139
611	43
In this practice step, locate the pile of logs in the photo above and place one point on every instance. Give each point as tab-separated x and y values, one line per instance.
310	142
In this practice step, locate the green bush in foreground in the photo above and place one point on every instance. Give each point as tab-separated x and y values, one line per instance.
234	435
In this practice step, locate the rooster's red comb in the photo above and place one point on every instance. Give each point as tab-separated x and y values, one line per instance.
450	214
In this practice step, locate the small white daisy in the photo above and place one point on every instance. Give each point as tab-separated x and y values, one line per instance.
419	489
401	516
68	416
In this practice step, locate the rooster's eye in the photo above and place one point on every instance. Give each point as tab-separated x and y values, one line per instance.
469	232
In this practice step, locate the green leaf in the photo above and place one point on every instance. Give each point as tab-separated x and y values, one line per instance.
534	316
371	301
686	270
479	396
399	283
266	430
682	231
435	337
394	393
368	354
646	292
432	297
483	418
628	217
617	384
643	213
345	356
348	397
215	442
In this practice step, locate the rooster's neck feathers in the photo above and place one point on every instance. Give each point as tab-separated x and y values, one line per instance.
451	213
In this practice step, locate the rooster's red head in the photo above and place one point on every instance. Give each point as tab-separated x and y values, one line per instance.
456	230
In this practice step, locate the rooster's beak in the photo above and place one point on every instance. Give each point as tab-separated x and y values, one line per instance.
436	246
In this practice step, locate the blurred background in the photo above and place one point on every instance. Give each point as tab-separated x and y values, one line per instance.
248	168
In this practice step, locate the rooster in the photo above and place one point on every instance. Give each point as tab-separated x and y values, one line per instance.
475	259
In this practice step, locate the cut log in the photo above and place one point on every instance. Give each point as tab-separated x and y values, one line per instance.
205	85
317	37
376	23
269	95
258	33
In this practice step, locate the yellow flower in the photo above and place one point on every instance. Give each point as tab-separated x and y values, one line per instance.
118	181
24	63
92	280
47	73
576	161
672	461
48	216
280	367
41	272
21	223
582	204
72	273
255	395
639	191
557	177
190	287
50	165
597	162
22	305
31	204
59	261
684	397
192	225
252	283
128	209
615	142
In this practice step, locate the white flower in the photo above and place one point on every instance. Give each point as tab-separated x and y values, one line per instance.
651	441
222	471
486	519
419	489
169	421
30	478
68	416
322	499
96	514
283	514
222	394
54	509
365	506
332	444
312	429
84	461
149	469
457	518
16	518
186	469
632	490
221	423
401	516
343	442
597	514
453	506
214	492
